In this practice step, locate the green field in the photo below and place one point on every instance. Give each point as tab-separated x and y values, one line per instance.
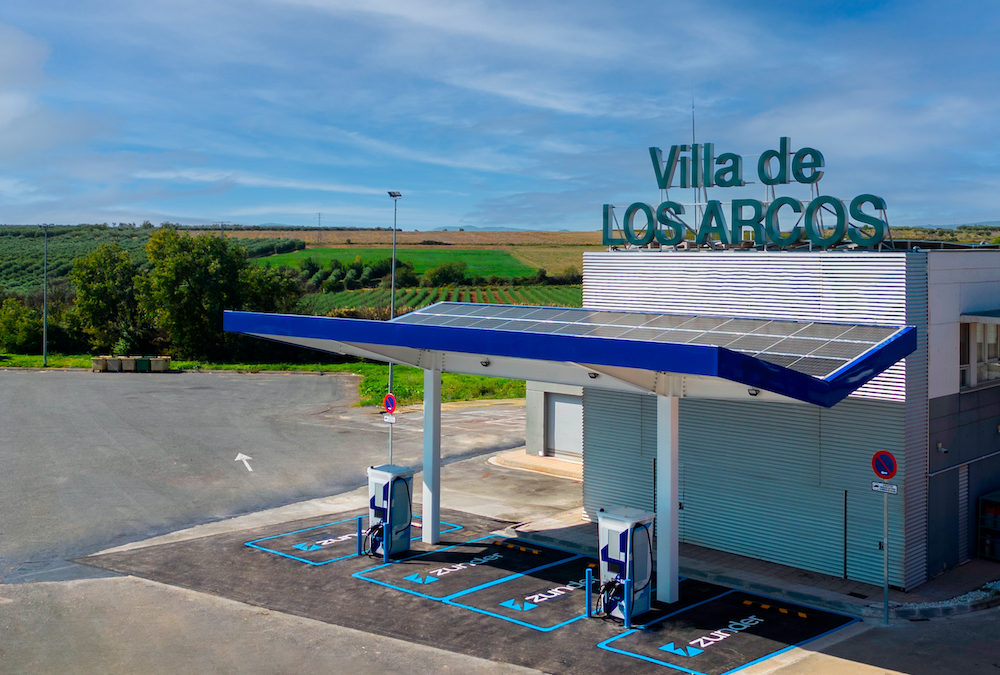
414	298
482	262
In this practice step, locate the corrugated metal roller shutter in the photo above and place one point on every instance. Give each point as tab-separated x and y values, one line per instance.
851	432
619	446
564	426
752	484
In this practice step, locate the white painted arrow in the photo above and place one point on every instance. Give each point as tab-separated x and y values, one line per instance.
243	458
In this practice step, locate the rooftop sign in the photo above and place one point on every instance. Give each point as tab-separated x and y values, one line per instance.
698	166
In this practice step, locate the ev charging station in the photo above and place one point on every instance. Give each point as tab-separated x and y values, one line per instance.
626	561
669	356
390	509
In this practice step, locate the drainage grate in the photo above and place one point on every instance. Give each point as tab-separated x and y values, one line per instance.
855	594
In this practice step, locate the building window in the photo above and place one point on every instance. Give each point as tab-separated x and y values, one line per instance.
979	357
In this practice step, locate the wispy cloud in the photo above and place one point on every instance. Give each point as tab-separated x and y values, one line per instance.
500	112
236	178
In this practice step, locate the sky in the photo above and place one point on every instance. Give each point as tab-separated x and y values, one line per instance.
520	114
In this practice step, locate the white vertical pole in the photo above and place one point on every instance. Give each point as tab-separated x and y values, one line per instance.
885	554
431	511
667	500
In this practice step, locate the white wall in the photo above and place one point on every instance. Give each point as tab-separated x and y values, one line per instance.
957	282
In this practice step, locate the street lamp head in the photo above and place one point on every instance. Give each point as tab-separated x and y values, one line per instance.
394	194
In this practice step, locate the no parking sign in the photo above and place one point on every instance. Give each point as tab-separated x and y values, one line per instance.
884	464
390	403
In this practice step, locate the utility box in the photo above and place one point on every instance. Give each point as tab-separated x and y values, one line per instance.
626	545
390	509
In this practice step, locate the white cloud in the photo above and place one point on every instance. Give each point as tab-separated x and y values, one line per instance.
238	178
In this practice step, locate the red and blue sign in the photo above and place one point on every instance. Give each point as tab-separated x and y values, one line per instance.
884	464
389	402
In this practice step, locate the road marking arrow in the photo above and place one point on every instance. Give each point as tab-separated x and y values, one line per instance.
416	578
514	604
679	651
243	458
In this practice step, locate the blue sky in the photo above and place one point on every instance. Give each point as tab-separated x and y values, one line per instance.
519	114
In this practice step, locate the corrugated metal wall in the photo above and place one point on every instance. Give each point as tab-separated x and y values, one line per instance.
859	287
781	459
757	494
963	514
850	433
913	465
619	447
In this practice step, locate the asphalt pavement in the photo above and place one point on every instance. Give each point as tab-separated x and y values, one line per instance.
91	460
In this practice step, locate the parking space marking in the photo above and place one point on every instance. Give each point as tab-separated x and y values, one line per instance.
524	602
683	640
453	562
348	536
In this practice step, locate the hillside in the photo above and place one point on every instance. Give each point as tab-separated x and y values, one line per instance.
22	250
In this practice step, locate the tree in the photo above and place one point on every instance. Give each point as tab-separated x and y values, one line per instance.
446	274
194	279
106	301
20	328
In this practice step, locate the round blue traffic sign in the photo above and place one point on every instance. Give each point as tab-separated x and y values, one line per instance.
884	464
389	402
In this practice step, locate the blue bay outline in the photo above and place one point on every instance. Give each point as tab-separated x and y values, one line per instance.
253	543
605	643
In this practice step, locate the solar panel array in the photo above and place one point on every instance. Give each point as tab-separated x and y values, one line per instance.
817	349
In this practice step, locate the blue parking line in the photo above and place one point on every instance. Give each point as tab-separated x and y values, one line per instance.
853	621
449	600
604	645
519	623
357	575
253	544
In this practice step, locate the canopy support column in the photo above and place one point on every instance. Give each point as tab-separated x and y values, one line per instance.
431	510
667	500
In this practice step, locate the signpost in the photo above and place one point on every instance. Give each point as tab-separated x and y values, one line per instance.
884	465
390	407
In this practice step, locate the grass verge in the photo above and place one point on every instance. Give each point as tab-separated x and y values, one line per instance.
408	383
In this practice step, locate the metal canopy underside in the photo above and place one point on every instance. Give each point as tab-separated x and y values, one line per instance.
818	363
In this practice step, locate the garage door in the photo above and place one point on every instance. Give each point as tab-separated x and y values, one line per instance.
564	426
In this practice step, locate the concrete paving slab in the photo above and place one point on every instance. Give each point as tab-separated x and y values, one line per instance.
133	626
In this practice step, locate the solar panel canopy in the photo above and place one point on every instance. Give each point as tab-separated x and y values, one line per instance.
812	348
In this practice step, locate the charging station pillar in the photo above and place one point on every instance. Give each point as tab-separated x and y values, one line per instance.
667	500
431	510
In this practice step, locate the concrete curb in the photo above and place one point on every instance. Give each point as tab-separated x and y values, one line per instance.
519	459
932	612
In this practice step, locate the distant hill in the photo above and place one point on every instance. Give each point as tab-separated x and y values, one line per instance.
983	224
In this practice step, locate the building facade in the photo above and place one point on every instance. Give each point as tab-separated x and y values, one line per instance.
791	482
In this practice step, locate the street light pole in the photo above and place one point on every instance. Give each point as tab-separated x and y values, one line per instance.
392	291
45	298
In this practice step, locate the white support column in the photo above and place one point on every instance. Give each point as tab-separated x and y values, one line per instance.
667	500
431	510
